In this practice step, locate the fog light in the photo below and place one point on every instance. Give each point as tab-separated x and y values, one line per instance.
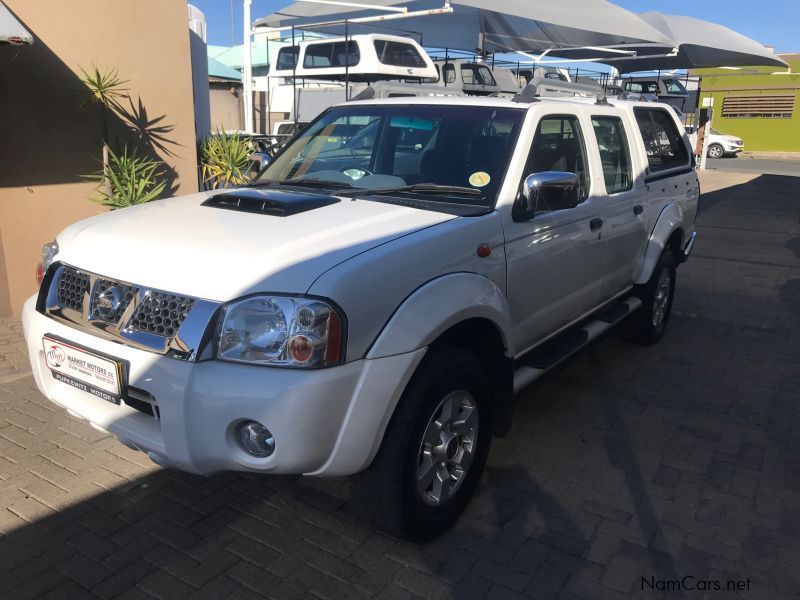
256	439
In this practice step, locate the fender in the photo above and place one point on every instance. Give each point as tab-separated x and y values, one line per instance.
438	305
670	219
397	351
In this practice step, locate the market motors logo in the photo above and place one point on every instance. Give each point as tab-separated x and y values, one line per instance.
56	356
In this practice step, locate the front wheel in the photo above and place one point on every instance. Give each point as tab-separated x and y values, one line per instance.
434	449
716	151
648	323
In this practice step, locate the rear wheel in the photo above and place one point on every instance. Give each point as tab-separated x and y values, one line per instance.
647	325
716	151
434	449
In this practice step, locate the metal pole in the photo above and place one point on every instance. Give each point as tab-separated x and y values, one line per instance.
294	80
346	61
247	70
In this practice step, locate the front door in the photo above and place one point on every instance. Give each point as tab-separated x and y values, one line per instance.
554	260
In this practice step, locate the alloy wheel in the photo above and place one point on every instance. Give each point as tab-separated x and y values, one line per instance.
661	299
447	448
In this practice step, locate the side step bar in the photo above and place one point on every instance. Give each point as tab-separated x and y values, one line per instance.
543	358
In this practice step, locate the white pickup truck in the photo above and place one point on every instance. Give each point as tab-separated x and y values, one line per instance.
372	302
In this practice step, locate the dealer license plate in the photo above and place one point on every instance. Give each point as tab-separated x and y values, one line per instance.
87	371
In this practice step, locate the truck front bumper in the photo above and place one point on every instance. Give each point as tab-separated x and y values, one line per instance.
324	422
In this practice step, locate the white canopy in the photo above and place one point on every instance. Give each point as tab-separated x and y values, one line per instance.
510	25
699	44
11	30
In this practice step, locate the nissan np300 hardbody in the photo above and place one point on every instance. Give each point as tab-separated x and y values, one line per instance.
372	301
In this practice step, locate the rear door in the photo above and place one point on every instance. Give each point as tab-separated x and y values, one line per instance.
625	228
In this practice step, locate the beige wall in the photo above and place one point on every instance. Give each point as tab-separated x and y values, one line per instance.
226	107
47	140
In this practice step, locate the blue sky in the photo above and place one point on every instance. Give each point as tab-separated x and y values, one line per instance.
773	22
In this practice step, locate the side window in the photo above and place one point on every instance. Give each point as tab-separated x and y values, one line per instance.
449	73
336	54
614	154
398	54
287	58
674	87
558	146
477	75
662	141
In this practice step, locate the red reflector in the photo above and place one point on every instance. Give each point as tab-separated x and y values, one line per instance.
39	273
484	250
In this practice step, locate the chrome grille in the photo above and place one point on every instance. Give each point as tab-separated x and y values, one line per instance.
161	313
72	285
130	314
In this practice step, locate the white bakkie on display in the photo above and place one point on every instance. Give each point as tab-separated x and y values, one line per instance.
371	302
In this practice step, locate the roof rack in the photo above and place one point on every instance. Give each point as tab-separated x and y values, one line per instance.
539	87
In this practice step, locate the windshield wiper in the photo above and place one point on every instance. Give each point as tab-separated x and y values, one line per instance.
311	182
424	188
318	183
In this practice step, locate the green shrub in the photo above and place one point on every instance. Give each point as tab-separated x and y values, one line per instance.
225	160
129	179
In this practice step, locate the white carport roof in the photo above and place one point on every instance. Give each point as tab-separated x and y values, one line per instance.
699	44
11	30
497	26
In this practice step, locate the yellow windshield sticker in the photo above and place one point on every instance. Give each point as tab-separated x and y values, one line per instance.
479	179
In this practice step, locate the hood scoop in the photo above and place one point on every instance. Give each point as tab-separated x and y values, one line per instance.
277	203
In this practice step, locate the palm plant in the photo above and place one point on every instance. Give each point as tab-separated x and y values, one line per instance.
105	86
106	90
225	160
128	179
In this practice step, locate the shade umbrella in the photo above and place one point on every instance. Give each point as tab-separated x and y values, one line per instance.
510	25
699	44
11	30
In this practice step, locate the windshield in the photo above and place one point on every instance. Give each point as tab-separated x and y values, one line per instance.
381	148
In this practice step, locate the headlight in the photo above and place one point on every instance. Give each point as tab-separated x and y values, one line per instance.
49	252
281	331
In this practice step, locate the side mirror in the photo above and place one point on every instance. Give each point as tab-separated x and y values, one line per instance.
549	190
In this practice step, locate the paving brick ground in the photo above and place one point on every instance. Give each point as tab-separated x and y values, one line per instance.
681	459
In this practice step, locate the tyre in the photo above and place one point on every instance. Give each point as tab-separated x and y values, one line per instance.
715	151
648	323
434	449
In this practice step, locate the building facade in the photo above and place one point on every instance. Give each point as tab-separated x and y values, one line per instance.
759	105
51	138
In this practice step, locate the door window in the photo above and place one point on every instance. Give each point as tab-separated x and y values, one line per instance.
614	153
558	146
662	141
